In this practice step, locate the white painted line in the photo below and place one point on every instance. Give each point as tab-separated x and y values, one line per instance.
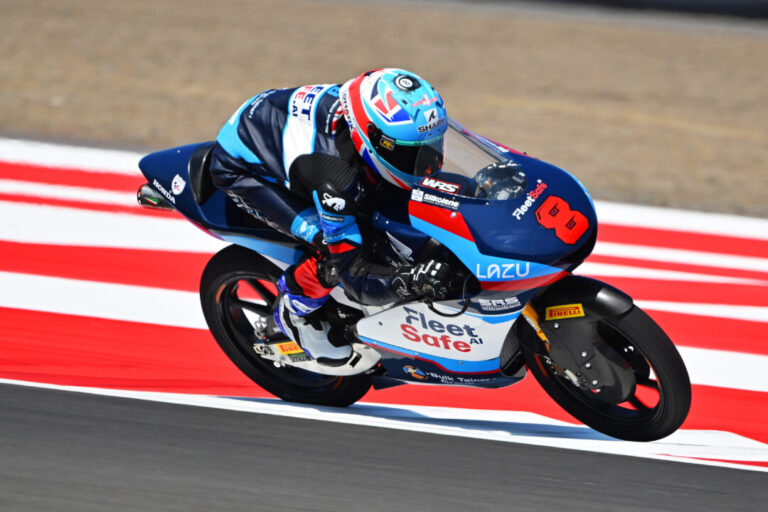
43	224
505	426
125	162
708	259
83	194
610	270
681	220
101	300
707	366
75	227
72	157
182	309
735	312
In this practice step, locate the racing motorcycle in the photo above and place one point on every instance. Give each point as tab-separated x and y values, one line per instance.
514	228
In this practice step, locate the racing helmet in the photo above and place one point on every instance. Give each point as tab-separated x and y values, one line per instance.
397	122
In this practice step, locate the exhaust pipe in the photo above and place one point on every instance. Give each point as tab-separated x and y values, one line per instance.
148	197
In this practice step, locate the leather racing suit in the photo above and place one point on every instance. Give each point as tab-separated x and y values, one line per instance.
286	157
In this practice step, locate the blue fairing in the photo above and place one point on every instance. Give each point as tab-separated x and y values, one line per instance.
511	229
513	244
217	215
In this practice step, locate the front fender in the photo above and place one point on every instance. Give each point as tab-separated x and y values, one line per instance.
567	318
594	295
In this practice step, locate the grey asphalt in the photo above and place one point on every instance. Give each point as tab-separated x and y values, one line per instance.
63	451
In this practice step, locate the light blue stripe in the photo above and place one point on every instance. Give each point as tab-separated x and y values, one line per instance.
230	140
279	252
452	365
306	225
471	256
496	319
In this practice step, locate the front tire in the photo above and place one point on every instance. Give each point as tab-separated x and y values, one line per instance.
239	286
661	399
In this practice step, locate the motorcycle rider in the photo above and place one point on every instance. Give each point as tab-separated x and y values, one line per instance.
304	160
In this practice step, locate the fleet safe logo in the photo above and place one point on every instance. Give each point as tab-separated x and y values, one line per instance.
564	311
434	333
303	100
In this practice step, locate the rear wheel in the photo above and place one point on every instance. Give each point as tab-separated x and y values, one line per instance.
660	398
237	289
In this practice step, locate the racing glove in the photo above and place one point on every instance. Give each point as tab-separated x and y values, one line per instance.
428	280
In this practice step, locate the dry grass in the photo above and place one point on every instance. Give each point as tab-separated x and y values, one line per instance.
639	112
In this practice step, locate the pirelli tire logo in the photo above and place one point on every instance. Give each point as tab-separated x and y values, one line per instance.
564	311
293	351
288	348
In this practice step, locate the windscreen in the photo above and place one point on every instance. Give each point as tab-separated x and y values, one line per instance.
481	169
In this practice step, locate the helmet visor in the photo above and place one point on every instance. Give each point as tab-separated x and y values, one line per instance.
417	158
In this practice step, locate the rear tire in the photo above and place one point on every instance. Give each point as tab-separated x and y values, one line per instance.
239	285
658	368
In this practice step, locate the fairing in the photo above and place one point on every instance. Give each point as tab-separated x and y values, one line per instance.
517	223
507	204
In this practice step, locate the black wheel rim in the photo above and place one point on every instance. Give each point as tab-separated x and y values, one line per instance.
240	300
647	400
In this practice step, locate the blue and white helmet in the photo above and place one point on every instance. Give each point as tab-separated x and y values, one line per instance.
397	122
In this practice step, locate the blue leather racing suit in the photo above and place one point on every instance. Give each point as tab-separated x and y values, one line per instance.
286	157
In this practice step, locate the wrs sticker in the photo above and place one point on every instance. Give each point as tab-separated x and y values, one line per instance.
564	311
442	186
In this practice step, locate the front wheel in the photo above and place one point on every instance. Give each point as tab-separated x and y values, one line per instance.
238	287
659	396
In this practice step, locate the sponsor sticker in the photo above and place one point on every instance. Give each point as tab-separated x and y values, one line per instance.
254	105
303	100
530	198
564	311
426	101
414	372
503	272
337	203
433	121
440	201
442	186
162	190
505	304
387	143
288	348
407	83
417	195
177	185
450	337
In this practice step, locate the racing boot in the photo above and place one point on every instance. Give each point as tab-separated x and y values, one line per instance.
298	317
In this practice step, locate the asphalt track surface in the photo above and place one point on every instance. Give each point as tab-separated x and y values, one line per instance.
76	452
73	451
